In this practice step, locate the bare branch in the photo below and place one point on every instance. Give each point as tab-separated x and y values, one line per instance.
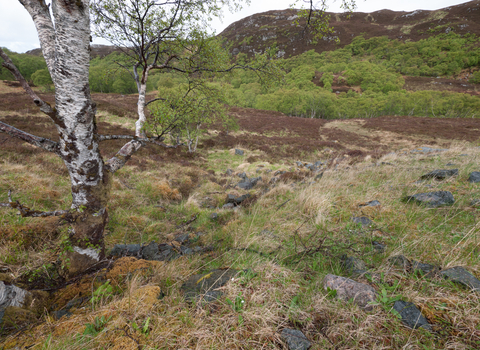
40	13
44	106
118	161
155	99
41	142
27	212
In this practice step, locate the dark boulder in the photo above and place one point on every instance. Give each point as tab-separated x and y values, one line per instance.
440	174
432	199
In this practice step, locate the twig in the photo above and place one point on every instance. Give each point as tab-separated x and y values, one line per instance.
281	205
188	222
27	212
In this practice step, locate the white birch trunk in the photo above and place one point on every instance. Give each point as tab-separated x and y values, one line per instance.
140	123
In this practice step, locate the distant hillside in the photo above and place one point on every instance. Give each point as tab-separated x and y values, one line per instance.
255	33
96	51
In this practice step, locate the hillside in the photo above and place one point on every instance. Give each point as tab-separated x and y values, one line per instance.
255	33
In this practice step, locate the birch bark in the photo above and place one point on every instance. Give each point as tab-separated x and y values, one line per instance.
66	48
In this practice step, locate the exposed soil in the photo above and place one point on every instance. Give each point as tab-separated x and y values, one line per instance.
273	133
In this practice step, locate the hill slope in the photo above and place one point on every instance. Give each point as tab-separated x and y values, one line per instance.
255	33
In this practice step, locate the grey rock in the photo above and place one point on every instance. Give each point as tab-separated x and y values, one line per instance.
353	265
319	176
373	203
400	261
450	164
440	174
205	287
150	251
228	206
182	238
279	172
411	315
214	216
428	150
459	275
363	220
379	246
229	172
239	152
231	199
362	294
185	250
299	164
158	252
273	180
432	199
474	177
425	269
295	339
125	250
11	295
242	175
248	184
60	313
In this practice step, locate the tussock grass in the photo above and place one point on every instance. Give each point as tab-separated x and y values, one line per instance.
285	243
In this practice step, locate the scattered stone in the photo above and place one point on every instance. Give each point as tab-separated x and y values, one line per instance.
379	246
373	203
125	250
411	315
353	265
295	339
474	177
428	150
432	199
11	295
239	152
299	164
231	199
206	286
248	184
268	171
450	164
228	206
463	155
214	216
425	269
400	261
229	172
348	289
475	203
458	274
363	220
440	174
279	172
242	175
182	238
319	176
159	252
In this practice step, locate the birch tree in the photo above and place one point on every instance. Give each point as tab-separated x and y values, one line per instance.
157	33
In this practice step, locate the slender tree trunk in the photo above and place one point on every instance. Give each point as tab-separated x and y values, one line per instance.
139	124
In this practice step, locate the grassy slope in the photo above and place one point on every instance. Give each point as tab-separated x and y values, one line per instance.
301	241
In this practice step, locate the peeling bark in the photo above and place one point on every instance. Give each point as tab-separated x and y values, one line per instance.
66	48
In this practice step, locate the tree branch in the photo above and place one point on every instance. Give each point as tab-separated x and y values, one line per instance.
155	99
120	159
40	13
44	106
41	142
27	212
